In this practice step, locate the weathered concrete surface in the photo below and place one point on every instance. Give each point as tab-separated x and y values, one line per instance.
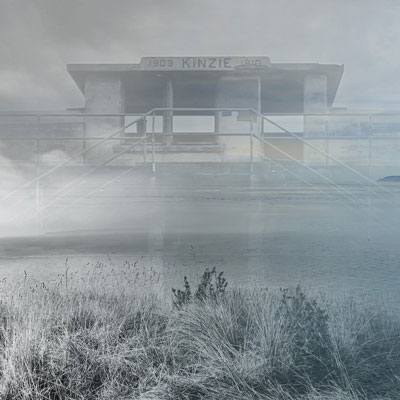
103	95
315	101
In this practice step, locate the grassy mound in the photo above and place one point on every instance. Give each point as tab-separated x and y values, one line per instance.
109	336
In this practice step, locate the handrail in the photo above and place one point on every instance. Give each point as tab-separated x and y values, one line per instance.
84	175
83	115
287	170
346	193
325	154
63	163
154	112
251	134
296	176
329	156
164	109
262	116
79	179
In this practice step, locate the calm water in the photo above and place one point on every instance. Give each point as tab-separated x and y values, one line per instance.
273	236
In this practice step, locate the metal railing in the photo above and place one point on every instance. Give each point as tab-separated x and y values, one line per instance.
280	130
256	132
63	191
257	135
378	126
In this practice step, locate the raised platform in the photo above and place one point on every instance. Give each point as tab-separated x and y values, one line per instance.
173	148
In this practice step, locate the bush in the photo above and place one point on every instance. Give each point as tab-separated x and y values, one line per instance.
108	342
212	286
306	325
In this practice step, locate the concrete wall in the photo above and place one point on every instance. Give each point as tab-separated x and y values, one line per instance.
315	101
239	93
104	94
283	149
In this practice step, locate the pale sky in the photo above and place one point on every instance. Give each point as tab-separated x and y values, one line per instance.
39	37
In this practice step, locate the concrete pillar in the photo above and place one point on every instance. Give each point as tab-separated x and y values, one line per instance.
103	95
315	102
239	92
168	102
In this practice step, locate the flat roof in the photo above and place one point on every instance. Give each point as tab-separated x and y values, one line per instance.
211	66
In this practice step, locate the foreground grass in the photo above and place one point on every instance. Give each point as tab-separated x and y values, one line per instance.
109	336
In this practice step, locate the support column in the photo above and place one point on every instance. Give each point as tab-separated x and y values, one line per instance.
168	115
103	95
315	102
315	126
239	92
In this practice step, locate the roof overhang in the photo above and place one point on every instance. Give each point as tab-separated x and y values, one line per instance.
212	67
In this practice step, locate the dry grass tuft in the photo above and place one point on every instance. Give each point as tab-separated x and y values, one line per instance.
107	335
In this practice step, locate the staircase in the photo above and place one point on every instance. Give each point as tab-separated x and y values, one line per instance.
199	142
74	189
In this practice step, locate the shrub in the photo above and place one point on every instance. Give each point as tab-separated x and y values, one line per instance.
366	337
182	297
110	342
308	337
212	286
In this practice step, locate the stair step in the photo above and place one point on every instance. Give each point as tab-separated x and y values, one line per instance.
173	148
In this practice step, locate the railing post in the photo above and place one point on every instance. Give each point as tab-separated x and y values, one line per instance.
251	141
37	172
326	143
369	156
262	127
145	138
84	141
153	164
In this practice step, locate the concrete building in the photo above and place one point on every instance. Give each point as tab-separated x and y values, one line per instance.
207	109
202	84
